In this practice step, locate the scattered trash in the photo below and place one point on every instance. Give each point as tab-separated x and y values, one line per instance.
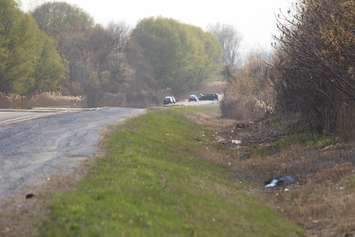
236	142
271	184
221	139
280	181
30	196
315	221
328	148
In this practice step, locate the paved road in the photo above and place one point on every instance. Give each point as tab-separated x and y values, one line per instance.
12	116
32	151
7	118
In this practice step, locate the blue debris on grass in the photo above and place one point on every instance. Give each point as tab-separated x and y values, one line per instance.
280	181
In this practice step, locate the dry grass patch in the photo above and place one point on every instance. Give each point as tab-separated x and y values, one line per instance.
41	100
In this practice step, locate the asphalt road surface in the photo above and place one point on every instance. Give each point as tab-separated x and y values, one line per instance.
31	151
11	117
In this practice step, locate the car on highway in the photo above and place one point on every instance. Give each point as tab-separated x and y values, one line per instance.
209	97
193	98
169	100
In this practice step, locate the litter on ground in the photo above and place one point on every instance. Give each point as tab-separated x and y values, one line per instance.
280	181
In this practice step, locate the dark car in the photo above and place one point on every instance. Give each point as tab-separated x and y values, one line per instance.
210	97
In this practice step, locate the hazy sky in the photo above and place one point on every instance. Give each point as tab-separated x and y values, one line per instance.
254	19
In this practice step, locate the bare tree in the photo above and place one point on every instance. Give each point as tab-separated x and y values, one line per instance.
230	40
120	35
250	93
315	63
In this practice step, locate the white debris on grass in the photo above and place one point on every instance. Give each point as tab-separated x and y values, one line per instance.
272	184
236	142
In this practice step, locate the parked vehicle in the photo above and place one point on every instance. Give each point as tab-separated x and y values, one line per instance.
169	100
211	97
193	98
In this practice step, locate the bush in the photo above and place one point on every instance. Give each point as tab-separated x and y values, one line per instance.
249	94
315	67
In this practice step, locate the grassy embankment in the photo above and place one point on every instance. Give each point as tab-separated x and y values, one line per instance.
153	182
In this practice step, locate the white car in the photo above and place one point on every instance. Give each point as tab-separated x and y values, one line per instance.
193	98
169	100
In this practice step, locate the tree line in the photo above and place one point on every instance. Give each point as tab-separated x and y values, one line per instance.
59	47
95	55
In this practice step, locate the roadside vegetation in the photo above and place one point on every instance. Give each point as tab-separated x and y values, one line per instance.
310	73
154	180
249	94
314	64
294	112
323	198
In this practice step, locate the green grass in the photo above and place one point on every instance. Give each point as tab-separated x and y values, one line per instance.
320	141
153	182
